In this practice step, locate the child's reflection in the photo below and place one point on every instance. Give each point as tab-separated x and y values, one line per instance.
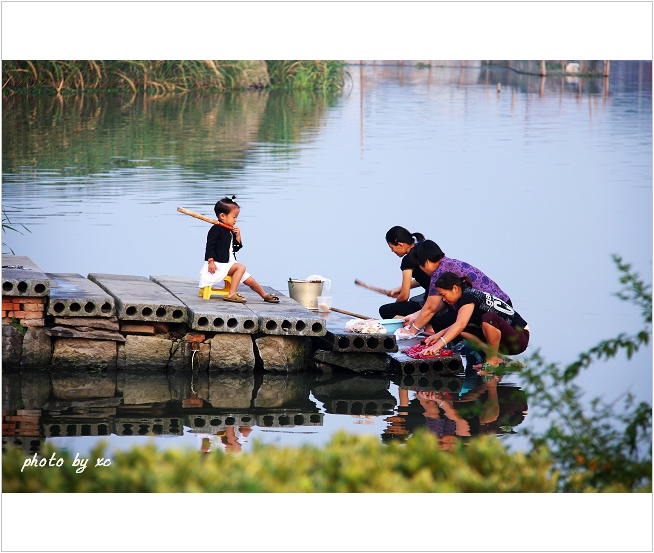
230	440
396	429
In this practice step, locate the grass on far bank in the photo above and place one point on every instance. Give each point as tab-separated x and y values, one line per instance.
55	77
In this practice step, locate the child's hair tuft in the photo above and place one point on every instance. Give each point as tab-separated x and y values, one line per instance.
225	205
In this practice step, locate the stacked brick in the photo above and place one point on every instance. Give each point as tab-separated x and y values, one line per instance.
28	312
22	422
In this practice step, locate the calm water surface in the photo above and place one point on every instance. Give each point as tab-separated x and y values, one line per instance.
536	185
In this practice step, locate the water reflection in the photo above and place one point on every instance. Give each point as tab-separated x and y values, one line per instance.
59	142
355	395
221	410
42	405
458	408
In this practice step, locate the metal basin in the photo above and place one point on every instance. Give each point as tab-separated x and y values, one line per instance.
305	292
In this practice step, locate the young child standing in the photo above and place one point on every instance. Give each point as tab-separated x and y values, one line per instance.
223	241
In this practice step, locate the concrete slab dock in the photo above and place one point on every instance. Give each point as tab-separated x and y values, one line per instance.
219	420
72	295
286	318
357	396
213	315
431	382
137	298
403	364
22	277
336	339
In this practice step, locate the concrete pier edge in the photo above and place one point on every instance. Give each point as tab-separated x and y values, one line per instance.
107	321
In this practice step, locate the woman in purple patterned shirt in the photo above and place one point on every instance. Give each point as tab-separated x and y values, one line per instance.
435	312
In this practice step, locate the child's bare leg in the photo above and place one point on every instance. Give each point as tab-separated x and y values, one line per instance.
256	287
236	271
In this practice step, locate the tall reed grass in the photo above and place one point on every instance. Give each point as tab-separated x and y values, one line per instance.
158	77
314	75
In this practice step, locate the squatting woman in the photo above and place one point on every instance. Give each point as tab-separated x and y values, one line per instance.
481	317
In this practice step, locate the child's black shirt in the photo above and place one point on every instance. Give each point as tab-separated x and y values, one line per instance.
218	240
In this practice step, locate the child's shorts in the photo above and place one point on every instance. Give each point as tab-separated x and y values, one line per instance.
208	279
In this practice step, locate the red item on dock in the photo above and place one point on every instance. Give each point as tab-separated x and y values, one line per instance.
415	352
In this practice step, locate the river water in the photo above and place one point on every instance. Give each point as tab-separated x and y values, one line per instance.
537	183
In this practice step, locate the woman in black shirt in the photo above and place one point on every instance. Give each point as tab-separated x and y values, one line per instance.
481	317
401	243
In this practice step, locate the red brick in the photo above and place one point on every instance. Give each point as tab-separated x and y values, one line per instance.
7	305
32	300
160	328
34	307
18	314
31	315
147	330
6	320
15	305
196	337
192	403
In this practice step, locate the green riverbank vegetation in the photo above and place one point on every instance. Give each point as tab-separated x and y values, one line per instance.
57	77
595	445
346	464
588	447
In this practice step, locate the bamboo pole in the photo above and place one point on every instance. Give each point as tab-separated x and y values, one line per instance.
380	290
203	218
350	314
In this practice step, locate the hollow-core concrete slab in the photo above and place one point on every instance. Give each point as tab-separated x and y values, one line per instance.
22	277
212	315
138	298
72	295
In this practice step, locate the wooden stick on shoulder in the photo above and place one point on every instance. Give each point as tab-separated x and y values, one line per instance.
374	289
203	218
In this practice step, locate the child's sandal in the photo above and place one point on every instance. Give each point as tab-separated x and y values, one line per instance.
236	298
271	298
